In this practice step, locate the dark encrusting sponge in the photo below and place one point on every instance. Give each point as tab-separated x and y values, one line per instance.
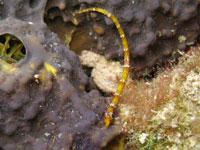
46	100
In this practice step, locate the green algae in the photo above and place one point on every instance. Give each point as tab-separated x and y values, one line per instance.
11	49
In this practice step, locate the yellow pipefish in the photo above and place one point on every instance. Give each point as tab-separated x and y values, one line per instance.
109	113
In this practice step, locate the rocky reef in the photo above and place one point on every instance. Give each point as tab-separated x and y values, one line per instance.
155	29
46	99
48	102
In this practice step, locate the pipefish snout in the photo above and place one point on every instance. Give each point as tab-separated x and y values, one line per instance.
126	67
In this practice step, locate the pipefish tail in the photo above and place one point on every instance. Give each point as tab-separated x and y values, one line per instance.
126	66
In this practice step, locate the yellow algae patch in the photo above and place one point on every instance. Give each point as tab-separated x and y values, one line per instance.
50	69
7	67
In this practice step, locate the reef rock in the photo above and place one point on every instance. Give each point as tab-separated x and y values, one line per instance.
153	27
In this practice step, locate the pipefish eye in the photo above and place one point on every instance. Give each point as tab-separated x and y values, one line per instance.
126	67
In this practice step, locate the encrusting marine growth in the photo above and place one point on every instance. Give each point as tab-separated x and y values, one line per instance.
109	113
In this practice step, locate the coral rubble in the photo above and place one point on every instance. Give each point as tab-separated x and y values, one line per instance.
106	74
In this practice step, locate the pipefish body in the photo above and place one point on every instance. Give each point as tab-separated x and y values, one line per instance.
126	66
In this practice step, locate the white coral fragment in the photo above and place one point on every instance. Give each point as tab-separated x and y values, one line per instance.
106	74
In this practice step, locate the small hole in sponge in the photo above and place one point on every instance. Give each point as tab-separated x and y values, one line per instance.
1	148
34	3
12	50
